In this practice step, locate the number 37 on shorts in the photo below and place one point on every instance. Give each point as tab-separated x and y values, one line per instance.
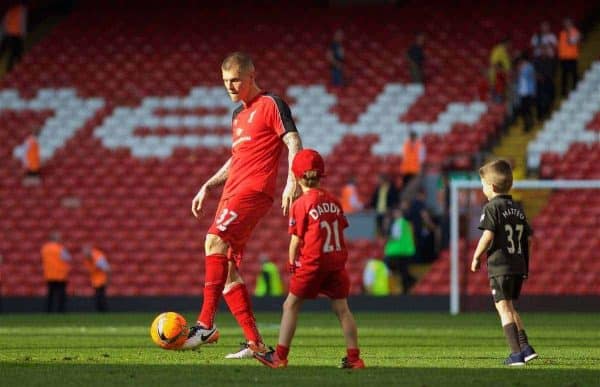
225	218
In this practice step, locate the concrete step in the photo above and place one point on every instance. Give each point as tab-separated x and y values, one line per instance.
533	201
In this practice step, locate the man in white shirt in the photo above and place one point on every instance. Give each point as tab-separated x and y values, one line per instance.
543	38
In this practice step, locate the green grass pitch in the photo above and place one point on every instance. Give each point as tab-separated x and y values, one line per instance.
400	349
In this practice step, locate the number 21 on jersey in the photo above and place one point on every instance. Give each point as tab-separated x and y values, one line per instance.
332	229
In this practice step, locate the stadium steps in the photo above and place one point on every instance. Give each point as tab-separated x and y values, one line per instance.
513	146
590	49
533	201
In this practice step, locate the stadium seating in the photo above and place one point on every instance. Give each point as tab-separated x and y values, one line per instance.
133	120
567	146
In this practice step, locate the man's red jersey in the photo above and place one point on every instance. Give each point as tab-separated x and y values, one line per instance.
317	218
258	129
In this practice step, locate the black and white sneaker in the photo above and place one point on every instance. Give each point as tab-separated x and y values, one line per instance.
199	335
244	353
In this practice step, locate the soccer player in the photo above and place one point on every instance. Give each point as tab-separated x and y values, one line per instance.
262	125
506	238
316	227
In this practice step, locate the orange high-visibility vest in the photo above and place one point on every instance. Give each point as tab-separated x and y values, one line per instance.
98	277
411	154
567	50
348	192
32	155
14	21
55	268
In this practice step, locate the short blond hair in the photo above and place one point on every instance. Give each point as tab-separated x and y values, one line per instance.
310	179
238	60
499	174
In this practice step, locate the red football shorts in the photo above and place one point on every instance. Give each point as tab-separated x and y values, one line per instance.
309	282
236	217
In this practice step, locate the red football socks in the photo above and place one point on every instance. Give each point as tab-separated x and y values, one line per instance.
353	354
282	352
214	281
238	301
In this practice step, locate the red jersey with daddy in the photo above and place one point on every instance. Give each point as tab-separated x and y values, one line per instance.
317	219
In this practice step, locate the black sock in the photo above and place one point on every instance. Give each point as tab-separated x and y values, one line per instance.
512	336
523	341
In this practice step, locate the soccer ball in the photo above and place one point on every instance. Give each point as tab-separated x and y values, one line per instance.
169	330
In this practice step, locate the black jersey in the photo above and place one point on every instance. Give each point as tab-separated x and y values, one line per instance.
509	252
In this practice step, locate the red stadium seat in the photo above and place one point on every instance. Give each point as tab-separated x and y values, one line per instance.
138	209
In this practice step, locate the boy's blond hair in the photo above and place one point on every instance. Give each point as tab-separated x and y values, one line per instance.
498	173
310	179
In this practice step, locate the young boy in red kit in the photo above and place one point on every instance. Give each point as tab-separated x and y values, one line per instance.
316	227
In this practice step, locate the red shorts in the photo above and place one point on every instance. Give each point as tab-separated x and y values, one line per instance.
236	217
309	282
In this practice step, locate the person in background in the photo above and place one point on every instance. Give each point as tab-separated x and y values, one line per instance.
268	282
29	154
56	264
14	26
376	278
545	70
383	199
336	57
349	199
499	84
568	54
500	55
416	58
97	265
526	90
543	40
413	157
427	235
400	249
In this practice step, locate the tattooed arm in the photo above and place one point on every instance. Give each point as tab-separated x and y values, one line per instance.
294	144
216	180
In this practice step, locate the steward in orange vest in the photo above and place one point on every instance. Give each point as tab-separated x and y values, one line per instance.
56	266
568	54
349	199
413	156
14	26
98	268
31	156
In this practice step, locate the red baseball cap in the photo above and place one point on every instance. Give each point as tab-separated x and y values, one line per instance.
308	160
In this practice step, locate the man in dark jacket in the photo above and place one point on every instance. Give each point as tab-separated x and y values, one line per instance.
383	200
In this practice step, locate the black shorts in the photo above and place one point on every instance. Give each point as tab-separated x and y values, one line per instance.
506	287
